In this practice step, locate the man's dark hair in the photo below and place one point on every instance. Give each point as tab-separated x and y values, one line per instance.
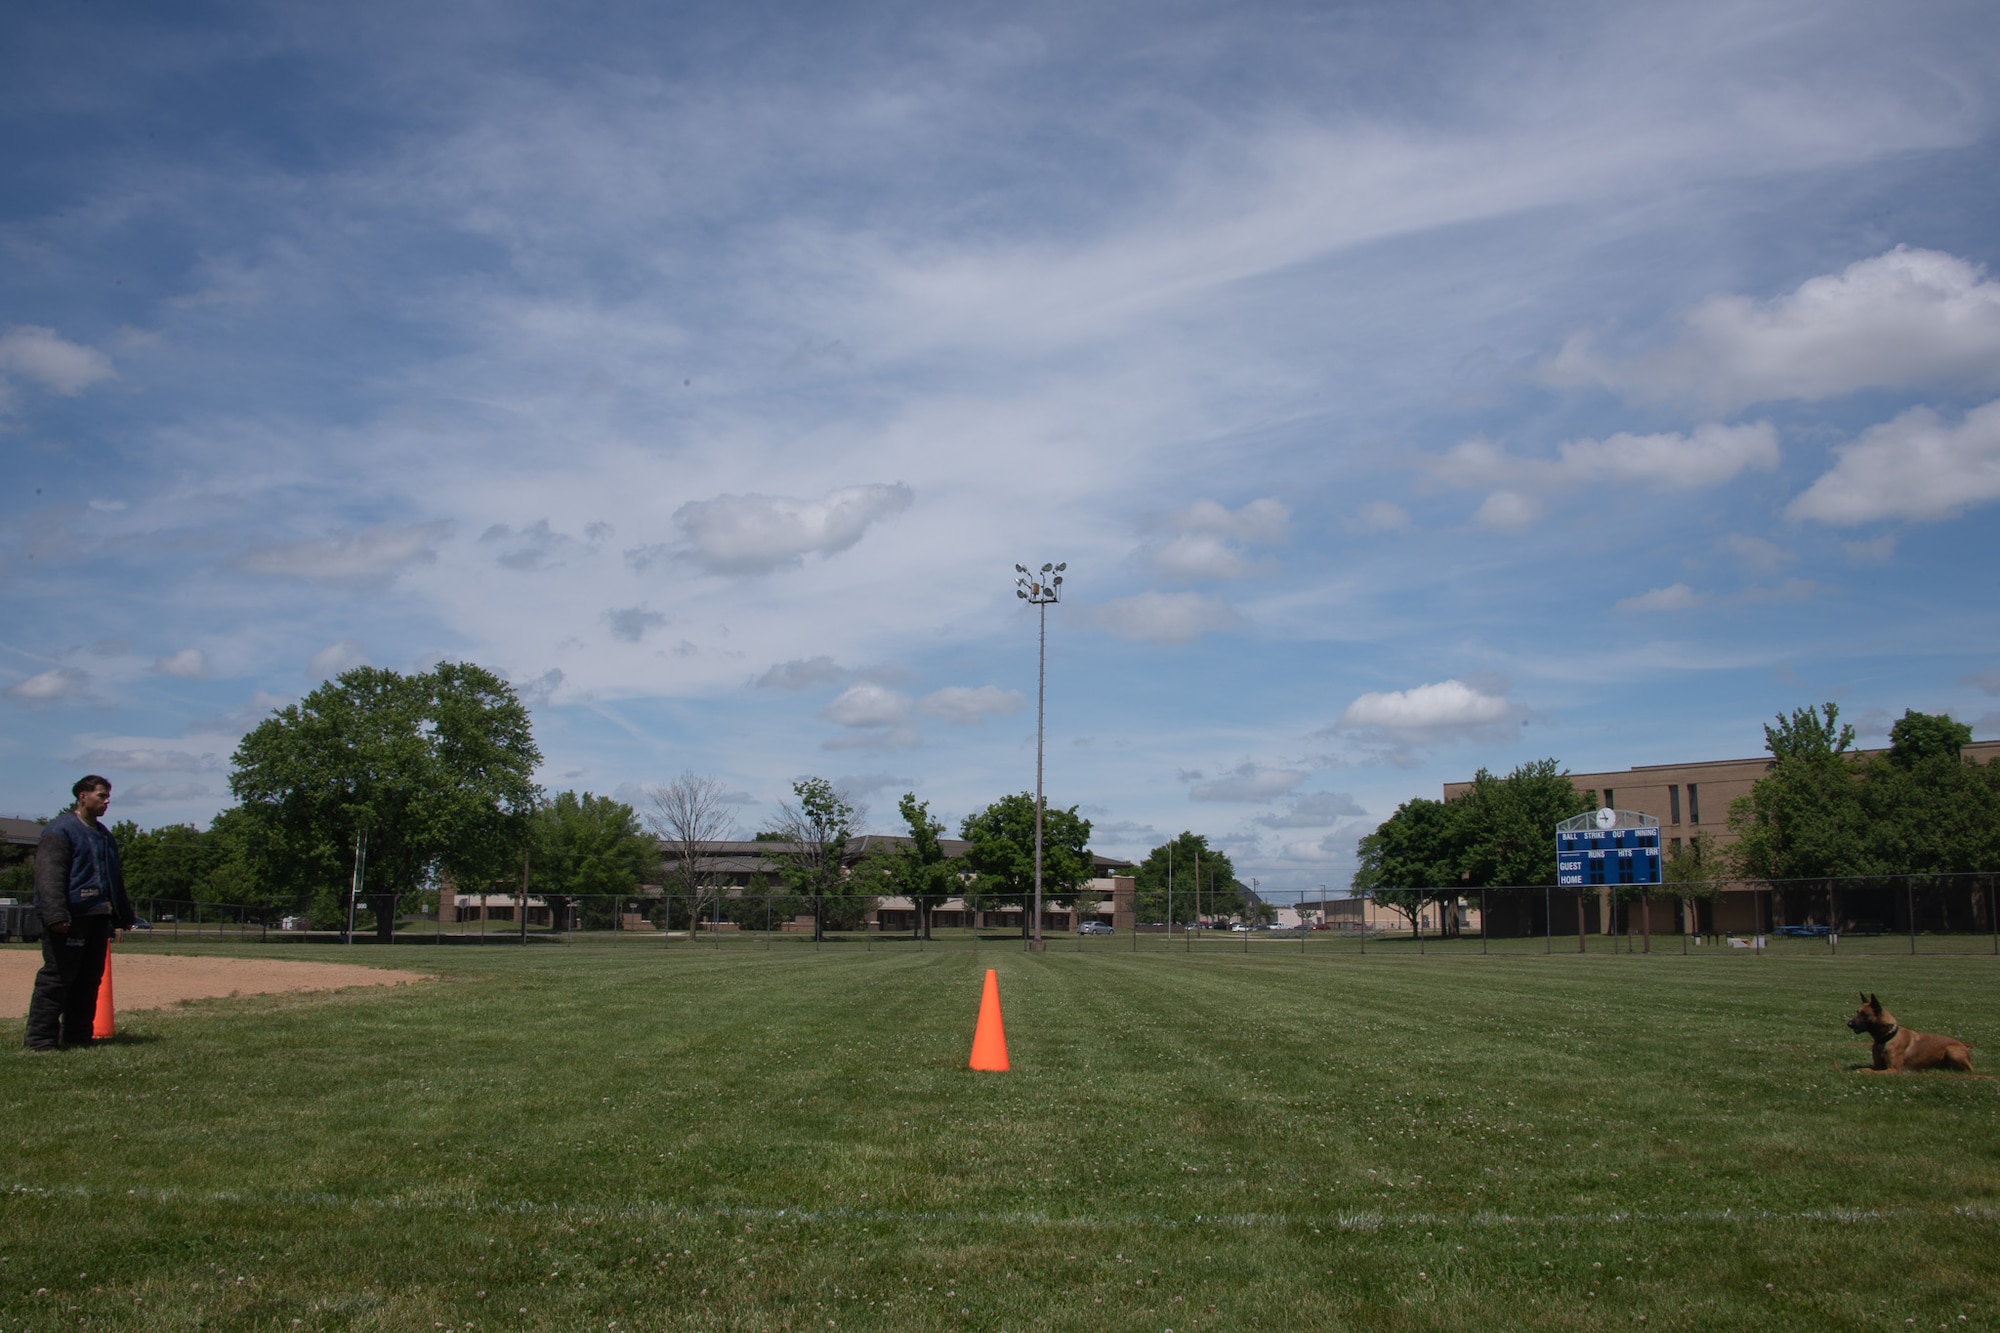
89	782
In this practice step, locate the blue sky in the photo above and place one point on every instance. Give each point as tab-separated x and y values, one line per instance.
1408	387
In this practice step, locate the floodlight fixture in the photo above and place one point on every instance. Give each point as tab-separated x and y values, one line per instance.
1039	592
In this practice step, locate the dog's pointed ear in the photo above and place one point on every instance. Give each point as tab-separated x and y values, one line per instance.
1864	997
1872	1000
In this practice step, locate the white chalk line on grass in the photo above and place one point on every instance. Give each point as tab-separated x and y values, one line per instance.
1345	1221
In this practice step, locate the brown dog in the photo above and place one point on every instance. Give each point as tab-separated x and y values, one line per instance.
1898	1049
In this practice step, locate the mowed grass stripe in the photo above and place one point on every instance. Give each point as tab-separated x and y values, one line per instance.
1302	1141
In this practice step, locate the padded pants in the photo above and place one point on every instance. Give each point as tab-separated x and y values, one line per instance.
64	1006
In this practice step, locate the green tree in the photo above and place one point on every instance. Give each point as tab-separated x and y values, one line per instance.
1001	856
811	851
436	769
1501	831
588	852
922	873
1190	863
1924	809
1508	825
1918	738
1804	819
171	861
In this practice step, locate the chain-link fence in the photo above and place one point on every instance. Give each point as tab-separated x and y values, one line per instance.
1939	914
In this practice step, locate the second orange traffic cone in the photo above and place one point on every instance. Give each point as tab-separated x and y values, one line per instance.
105	1024
989	1039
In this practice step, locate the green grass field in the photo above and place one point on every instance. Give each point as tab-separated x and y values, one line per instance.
661	1139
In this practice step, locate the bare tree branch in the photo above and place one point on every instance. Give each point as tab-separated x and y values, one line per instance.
689	814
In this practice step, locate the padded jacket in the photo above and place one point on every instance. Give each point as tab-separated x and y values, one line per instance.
62	889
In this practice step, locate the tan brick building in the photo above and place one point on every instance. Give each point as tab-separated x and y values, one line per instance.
1688	799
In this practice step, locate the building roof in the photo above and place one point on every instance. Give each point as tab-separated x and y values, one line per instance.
19	832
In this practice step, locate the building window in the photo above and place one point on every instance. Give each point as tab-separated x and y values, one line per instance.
1694	804
1674	802
1674	843
1608	798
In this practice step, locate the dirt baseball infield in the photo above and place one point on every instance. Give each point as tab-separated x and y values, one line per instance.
154	981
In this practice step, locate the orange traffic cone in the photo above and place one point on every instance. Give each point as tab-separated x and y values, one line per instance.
989	1039
104	1025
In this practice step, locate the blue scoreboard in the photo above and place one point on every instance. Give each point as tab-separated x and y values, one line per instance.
1592	851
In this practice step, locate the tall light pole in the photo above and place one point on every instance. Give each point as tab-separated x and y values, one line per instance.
1040	589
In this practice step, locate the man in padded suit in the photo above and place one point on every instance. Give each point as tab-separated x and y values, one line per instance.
80	893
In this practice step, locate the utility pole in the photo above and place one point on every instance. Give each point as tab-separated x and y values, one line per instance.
1040	590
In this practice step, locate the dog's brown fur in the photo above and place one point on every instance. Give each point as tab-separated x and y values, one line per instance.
1899	1049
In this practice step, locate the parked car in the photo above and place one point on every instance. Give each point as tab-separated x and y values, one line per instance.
1095	928
1239	926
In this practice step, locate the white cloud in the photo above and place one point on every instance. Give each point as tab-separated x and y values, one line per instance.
188	663
1673	597
802	673
368	558
853	786
1247	783
234	723
164	793
632	622
1757	554
1913	467
1263	522
868	705
1209	537
1986	682
966	704
50	360
145	758
1445	705
51	687
1508	511
1901	319
755	534
1314	809
1379	516
338	656
1874	551
1709	456
1166	617
1200	555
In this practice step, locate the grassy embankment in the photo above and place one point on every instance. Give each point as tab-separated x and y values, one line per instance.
590	1138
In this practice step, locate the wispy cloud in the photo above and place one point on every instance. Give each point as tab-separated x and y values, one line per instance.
1208	540
803	673
1673	597
1166	617
1313	809
338	656
1247	783
188	663
52	361
967	705
1705	457
59	685
371	557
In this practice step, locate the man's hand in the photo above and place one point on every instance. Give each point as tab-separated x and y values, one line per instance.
59	928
